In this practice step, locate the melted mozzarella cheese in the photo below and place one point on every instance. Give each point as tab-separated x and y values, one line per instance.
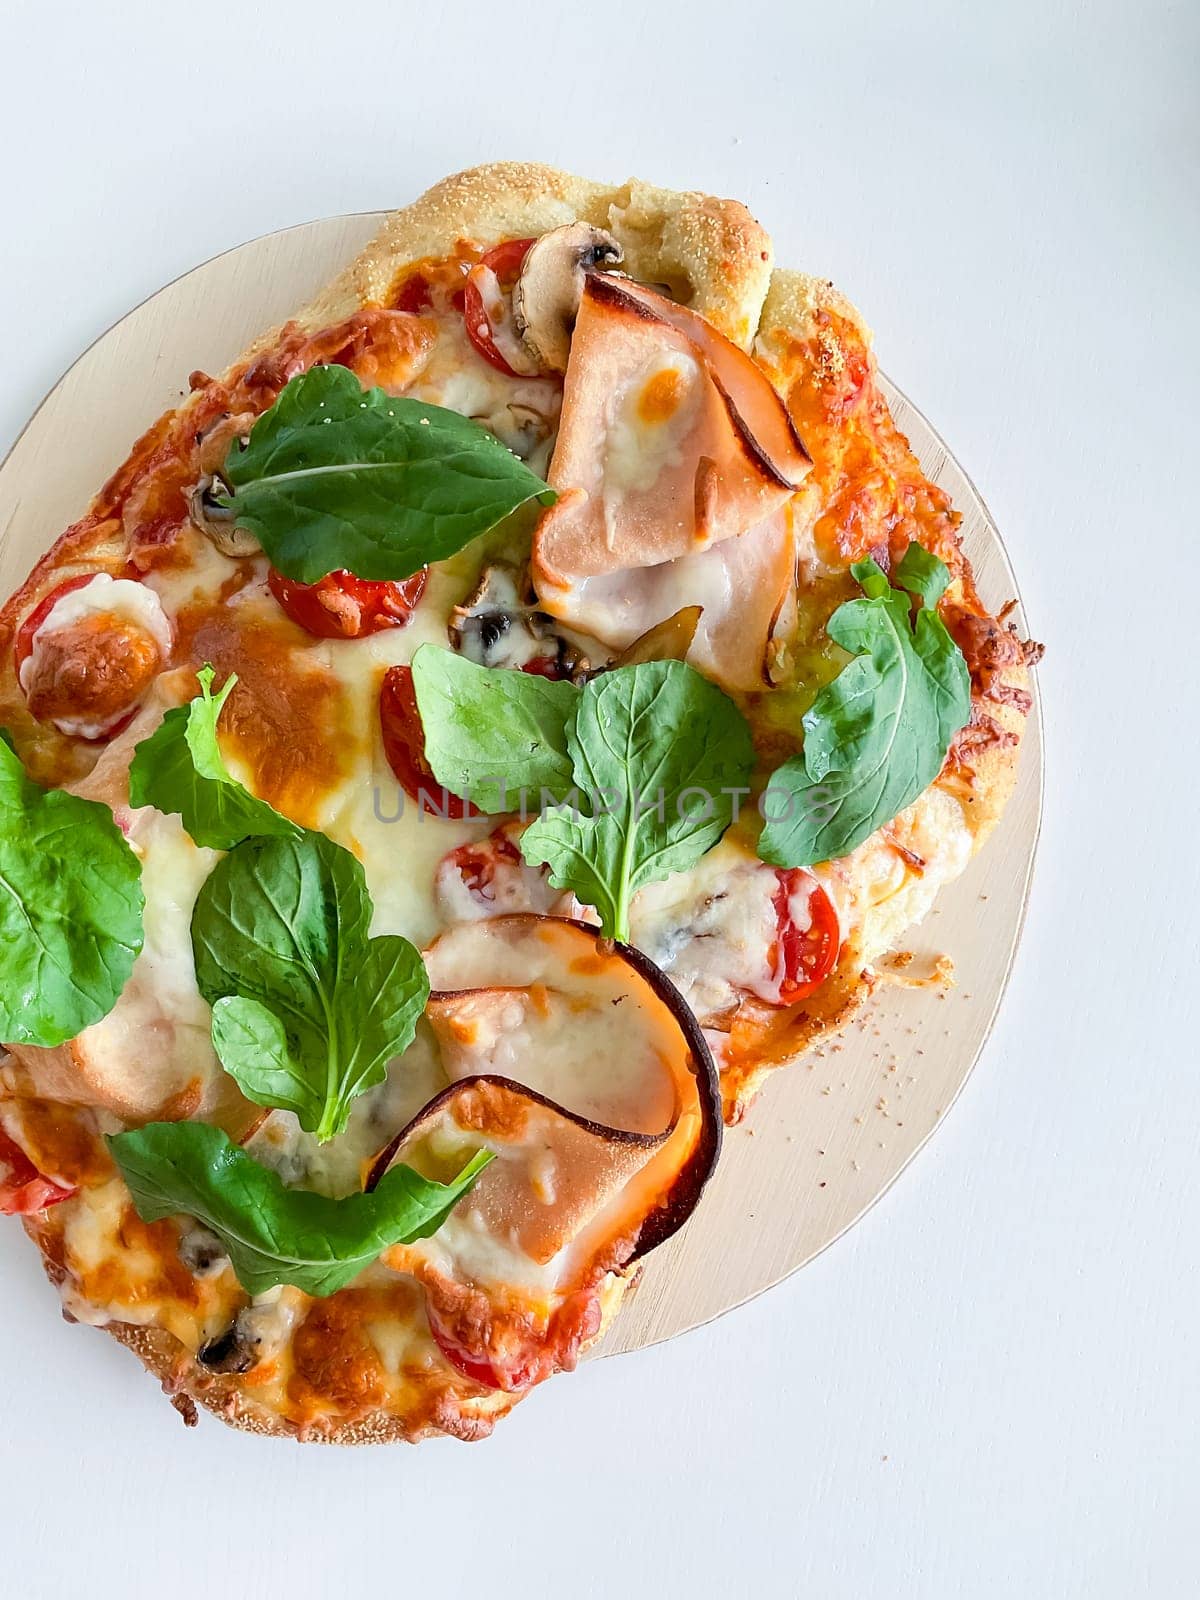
399	844
521	412
888	895
339	1167
712	929
158	1034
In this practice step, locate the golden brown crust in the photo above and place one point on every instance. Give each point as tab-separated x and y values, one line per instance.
711	253
183	1379
763	1038
163	1355
993	775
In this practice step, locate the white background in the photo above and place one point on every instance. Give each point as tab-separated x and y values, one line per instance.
990	1387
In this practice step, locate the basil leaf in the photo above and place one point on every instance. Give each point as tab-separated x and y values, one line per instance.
280	927
335	476
658	751
495	735
876	737
179	768
70	909
276	1235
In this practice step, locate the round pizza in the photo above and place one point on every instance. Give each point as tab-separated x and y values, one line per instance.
458	754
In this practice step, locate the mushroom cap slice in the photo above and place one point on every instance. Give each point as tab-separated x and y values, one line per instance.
219	525
668	640
547	293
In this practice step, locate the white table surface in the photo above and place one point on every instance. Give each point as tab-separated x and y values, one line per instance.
990	1387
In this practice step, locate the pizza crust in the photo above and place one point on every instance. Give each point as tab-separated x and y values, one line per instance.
183	1380
711	253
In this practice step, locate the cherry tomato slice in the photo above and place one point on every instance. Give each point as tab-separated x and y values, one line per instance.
23	646
404	747
574	1322
341	606
480	1369
809	954
546	667
414	294
505	261
477	864
23	1190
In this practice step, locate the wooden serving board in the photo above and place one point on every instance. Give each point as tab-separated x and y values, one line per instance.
826	1137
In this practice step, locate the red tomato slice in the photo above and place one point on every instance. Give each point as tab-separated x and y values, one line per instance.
404	747
576	1321
809	954
546	667
23	1190
505	261
414	294
23	647
341	606
477	864
480	1370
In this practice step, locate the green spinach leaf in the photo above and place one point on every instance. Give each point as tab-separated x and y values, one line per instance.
658	753
876	737
494	735
179	768
273	1234
70	909
307	1009
335	476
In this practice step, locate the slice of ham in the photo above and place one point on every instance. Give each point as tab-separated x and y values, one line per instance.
745	587
675	464
577	1065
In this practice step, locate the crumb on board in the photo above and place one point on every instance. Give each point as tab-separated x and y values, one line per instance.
894	969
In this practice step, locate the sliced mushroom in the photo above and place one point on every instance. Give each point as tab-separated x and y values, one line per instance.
234	1350
202	1253
547	294
668	640
500	625
216	522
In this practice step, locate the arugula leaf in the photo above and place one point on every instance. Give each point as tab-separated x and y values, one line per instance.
492	734
70	909
876	737
307	1010
335	476
658	750
179	768
276	1235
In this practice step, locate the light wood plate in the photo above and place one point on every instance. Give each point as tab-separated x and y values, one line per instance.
826	1137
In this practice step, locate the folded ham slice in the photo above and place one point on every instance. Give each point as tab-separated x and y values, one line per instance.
745	587
674	465
578	1066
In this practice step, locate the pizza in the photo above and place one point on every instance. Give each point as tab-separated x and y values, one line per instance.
461	751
